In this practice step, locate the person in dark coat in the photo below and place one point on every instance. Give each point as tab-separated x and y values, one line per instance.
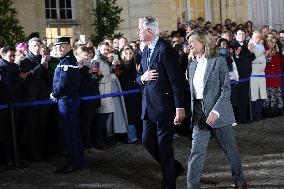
35	89
10	92
163	99
66	87
90	76
243	56
127	78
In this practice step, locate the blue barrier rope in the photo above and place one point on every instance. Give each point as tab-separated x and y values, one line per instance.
242	80
45	102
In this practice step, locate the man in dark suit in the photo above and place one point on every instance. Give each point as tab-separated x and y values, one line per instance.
163	99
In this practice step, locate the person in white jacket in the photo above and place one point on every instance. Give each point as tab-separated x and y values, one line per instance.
258	84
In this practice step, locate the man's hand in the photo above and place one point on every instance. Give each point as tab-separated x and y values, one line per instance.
149	75
52	98
180	115
211	118
44	60
24	75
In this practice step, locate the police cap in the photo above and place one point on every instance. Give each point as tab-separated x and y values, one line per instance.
62	40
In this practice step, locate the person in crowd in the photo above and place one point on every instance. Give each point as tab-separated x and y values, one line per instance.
22	50
115	43
243	56
109	42
258	84
66	87
162	100
264	32
127	78
212	112
227	35
122	43
281	38
104	113
11	79
228	22
90	77
35	89
119	117
249	27
274	103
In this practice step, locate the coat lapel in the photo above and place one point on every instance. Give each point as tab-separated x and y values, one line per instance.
154	54
208	70
192	66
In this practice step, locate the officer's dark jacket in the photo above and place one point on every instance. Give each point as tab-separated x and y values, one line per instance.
10	82
67	77
35	87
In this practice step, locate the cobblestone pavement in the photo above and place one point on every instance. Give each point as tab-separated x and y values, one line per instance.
261	145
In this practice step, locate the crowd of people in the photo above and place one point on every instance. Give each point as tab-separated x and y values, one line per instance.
32	71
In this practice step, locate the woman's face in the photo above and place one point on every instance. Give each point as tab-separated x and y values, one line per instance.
128	55
223	44
272	43
196	47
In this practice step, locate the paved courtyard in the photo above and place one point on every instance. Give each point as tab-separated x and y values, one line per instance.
124	166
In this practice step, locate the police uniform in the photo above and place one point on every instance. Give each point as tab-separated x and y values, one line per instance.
66	86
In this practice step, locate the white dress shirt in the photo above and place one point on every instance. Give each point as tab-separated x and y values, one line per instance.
198	78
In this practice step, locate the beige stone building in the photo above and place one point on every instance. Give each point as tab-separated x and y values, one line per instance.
75	17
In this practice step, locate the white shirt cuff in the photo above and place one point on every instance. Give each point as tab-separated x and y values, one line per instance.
218	115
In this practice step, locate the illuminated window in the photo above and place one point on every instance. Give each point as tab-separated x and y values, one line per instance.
52	32
191	9
58	9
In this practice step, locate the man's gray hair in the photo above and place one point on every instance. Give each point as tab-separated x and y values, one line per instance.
36	39
151	23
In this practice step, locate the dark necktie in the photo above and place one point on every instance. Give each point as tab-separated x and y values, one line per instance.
148	56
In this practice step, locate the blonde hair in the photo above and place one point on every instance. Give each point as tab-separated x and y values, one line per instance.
271	37
206	38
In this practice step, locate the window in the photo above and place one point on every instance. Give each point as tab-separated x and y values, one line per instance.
58	9
52	32
191	9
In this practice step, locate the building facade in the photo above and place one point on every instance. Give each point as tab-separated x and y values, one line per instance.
50	18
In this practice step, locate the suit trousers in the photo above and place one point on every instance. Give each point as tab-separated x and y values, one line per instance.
225	138
157	138
68	116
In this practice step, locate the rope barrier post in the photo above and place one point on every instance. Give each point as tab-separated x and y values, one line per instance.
14	136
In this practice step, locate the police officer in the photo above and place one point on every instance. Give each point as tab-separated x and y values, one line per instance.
66	85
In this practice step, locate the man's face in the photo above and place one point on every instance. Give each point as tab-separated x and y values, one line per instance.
143	33
104	50
63	49
115	43
9	57
122	43
35	47
281	37
256	38
240	36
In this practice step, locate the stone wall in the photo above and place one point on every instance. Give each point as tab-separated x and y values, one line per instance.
164	10
236	10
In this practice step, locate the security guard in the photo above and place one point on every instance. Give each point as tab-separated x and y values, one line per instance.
66	85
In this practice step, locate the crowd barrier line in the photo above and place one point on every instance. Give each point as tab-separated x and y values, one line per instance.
45	102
